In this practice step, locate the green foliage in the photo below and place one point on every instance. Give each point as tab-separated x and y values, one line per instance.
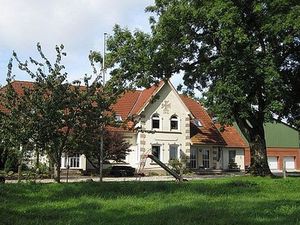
131	57
227	201
178	166
54	116
11	163
245	54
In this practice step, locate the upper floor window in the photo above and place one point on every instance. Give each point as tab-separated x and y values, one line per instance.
174	122
118	118
155	121
197	123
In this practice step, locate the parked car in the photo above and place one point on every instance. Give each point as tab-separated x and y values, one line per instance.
122	171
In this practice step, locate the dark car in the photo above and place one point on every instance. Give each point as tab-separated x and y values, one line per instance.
122	171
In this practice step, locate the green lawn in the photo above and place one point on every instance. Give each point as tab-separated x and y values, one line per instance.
241	200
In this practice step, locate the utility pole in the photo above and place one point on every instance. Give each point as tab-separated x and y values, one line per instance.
102	126
103	62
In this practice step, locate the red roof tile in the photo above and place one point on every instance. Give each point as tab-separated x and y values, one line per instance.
132	102
232	137
18	87
145	97
208	133
126	103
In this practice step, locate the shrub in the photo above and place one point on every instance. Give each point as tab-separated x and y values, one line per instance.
11	163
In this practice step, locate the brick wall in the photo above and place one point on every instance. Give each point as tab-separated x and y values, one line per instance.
280	153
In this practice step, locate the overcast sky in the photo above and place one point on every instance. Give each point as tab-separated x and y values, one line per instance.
78	24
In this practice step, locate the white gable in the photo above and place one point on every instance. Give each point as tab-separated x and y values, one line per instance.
165	103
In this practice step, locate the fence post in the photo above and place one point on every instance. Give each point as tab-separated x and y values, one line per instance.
283	168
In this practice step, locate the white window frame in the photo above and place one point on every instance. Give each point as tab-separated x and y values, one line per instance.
176	147
156	117
160	151
193	158
174	118
207	160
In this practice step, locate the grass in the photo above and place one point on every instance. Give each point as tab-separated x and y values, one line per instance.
240	200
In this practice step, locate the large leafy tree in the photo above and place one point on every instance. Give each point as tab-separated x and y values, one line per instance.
245	53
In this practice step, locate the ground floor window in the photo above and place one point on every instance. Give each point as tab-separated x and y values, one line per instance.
206	158
232	154
156	151
173	152
193	158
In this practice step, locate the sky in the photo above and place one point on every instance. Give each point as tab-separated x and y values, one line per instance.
77	24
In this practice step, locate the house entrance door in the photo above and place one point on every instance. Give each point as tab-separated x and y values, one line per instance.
205	158
193	159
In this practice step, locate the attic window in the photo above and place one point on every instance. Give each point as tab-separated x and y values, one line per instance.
197	123
118	118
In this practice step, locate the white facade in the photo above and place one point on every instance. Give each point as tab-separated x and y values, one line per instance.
164	125
233	154
163	130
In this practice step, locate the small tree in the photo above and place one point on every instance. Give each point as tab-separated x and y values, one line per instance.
17	121
115	147
95	114
52	102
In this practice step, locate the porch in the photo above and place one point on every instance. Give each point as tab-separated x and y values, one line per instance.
216	159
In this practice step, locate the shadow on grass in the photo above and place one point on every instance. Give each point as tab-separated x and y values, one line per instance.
40	192
197	212
235	201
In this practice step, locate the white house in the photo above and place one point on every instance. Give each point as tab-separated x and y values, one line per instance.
170	126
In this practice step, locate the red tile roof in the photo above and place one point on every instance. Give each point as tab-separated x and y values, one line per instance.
126	103
19	88
208	133
145	96
232	137
132	102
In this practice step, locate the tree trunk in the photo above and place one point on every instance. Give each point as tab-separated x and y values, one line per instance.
259	161
255	136
101	158
20	171
37	163
58	172
20	164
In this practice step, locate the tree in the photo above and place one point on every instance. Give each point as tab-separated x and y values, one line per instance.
245	53
115	147
17	122
95	114
48	110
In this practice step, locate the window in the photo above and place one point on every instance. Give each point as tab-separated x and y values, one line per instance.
193	157
232	155
155	121
118	118
206	158
197	123
173	152
174	122
156	151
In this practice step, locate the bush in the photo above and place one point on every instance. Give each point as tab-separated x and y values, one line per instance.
233	166
11	164
2	179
